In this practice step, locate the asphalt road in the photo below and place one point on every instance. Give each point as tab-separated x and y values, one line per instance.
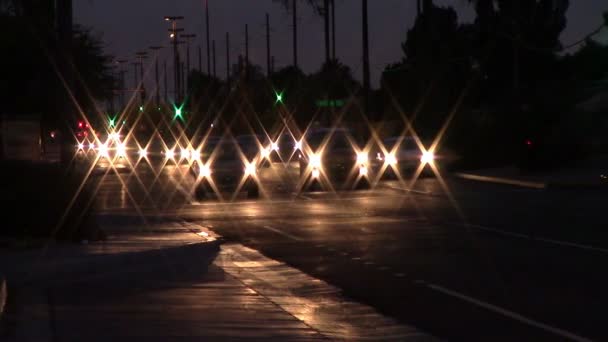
462	261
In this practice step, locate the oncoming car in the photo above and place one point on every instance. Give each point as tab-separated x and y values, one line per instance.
333	155
224	166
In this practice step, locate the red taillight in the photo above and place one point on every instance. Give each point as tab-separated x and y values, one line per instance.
80	124
529	142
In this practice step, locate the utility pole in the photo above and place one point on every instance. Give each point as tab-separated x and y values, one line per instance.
176	63
187	37
208	49
268	44
227	57
333	29
142	55
214	74
200	60
157	85
135	81
182	69
121	72
326	18
166	85
246	52
295	32
366	81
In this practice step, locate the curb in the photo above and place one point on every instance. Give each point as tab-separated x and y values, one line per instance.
84	265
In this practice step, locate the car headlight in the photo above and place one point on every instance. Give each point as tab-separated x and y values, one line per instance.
362	158
170	154
265	152
185	153
80	146
274	146
315	161
250	169
390	159
427	157
103	150
205	171
143	152
316	173
297	145
195	155
363	170
121	150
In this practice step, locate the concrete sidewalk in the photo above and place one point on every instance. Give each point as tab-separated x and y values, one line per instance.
156	281
589	173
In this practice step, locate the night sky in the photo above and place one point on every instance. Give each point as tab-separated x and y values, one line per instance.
134	25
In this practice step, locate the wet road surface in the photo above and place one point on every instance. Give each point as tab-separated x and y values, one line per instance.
477	262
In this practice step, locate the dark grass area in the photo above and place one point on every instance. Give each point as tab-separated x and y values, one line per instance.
42	201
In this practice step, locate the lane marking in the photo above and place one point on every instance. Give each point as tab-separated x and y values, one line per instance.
280	232
540	239
495	230
420	192
572	244
500	180
508	313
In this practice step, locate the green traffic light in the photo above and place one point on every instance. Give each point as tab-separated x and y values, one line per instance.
141	108
112	122
178	111
279	97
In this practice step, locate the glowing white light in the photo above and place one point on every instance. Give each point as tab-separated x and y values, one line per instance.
265	153
391	159
114	136
143	152
250	169
315	161
427	157
316	173
80	146
103	151
195	155
363	170
362	158
205	171
170	154
378	156
121	150
274	146
297	145
185	153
